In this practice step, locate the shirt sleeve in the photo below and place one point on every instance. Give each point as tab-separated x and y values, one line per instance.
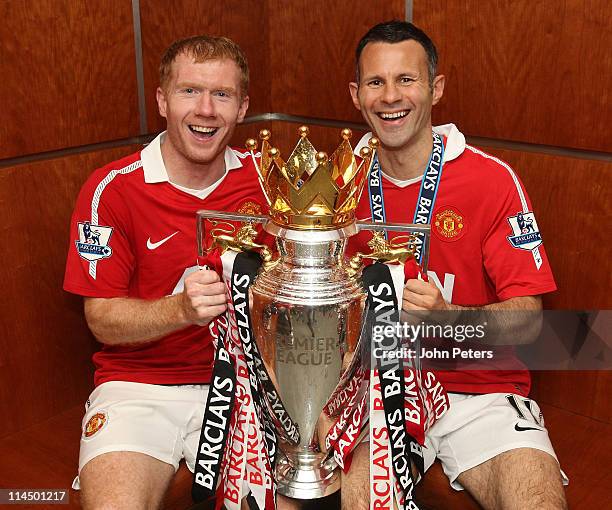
513	253
100	257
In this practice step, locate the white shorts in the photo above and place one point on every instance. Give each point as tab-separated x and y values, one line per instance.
163	422
476	428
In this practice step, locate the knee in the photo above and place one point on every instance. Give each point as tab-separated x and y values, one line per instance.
546	498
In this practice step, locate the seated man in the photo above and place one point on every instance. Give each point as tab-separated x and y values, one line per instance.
492	441
146	299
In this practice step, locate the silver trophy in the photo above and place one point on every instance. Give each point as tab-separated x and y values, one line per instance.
308	301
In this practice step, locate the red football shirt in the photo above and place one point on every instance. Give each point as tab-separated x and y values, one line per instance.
478	253
133	234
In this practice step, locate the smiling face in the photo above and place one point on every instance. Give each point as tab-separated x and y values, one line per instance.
202	103
394	93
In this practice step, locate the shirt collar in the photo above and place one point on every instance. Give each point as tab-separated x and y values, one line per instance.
455	141
155	169
454	147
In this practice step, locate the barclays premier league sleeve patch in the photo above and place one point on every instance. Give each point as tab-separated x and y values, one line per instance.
93	241
526	234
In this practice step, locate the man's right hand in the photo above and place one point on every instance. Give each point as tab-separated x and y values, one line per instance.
204	297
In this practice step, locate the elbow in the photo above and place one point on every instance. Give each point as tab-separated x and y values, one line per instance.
97	317
525	318
535	319
530	320
533	327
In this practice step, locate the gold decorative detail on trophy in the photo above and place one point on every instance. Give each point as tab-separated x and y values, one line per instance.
311	190
241	239
399	249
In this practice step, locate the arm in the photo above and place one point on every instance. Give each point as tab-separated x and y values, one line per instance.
515	321
117	321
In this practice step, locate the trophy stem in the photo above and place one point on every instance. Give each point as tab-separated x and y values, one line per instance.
312	480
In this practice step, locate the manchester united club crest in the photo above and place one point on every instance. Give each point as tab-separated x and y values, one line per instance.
95	423
449	224
93	241
249	207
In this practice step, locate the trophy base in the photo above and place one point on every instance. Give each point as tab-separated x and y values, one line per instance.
310	481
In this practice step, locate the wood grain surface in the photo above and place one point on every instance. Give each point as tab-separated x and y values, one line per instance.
312	47
45	346
521	70
68	74
586	393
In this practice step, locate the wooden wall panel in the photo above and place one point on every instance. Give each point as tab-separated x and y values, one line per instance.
571	198
164	22
531	71
68	75
581	392
45	346
312	47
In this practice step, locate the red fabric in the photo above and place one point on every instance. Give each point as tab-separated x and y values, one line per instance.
141	213
477	266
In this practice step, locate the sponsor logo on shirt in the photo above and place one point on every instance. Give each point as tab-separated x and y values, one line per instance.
449	224
446	287
154	246
93	241
526	235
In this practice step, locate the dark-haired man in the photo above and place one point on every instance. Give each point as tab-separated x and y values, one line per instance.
145	299
492	441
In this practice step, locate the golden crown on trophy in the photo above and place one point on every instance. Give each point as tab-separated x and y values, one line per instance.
311	190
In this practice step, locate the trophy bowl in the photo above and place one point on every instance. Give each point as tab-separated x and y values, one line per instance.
306	316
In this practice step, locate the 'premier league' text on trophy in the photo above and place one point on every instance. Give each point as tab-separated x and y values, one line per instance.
308	301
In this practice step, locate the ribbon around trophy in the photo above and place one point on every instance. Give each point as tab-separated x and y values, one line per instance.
386	401
238	446
398	399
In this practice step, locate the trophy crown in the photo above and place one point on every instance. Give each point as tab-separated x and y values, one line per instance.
311	190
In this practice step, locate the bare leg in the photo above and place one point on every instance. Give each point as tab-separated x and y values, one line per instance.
284	503
524	478
127	480
356	483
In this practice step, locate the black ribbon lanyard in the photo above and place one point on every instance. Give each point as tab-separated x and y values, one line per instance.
383	311
215	424
244	272
423	210
218	412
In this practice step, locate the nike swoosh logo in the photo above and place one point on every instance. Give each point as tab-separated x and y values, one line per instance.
518	428
153	246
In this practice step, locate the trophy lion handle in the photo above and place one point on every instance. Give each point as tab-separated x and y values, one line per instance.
399	249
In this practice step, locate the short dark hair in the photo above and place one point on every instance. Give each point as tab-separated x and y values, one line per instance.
203	48
396	31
